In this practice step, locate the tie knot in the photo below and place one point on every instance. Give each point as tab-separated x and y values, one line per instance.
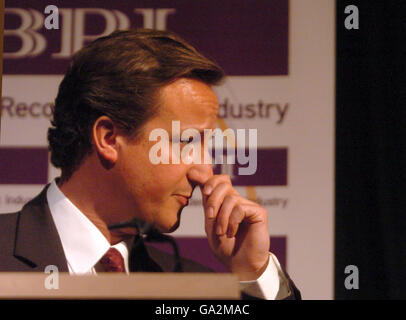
112	261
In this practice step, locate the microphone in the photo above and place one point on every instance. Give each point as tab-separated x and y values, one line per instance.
150	234
141	226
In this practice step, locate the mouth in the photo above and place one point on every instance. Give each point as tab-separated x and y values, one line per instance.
183	199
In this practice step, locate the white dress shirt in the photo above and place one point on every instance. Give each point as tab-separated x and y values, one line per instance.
84	245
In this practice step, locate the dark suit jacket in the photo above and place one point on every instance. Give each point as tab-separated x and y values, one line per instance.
29	241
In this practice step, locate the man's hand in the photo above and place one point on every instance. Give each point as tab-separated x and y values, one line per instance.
237	228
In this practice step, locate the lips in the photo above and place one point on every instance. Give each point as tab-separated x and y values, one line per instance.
184	200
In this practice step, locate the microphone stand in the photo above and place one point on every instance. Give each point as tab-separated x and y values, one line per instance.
148	233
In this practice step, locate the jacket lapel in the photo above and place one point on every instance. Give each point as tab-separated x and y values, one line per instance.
37	242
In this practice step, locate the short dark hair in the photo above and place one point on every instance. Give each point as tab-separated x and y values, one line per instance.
118	76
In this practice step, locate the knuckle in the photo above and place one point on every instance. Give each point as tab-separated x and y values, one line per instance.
224	184
227	188
234	220
262	211
226	178
230	198
240	210
237	215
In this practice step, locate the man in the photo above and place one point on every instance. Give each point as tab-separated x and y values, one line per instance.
116	91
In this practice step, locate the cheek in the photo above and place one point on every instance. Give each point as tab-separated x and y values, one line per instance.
167	177
156	181
152	181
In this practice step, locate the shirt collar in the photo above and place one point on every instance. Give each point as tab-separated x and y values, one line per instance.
83	243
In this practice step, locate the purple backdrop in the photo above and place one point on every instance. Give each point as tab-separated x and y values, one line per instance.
23	165
197	249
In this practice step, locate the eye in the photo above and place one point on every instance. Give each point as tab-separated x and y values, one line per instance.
187	141
210	140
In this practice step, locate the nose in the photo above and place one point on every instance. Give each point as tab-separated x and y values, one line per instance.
199	174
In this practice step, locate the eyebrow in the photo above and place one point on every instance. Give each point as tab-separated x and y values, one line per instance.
201	130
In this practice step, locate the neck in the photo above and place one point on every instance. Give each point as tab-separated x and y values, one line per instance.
91	195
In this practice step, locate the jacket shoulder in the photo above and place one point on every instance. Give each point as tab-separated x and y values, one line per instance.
8	224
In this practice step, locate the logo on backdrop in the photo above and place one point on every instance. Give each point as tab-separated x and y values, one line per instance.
40	39
34	43
20	109
276	112
258	110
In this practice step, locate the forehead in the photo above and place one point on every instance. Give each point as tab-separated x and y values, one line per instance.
190	101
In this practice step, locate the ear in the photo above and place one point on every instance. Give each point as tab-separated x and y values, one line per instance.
105	140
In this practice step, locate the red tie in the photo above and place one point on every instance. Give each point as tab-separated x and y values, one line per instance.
112	261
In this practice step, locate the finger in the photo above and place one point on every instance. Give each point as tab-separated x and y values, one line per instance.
236	217
200	174
212	183
243	213
253	213
224	213
213	202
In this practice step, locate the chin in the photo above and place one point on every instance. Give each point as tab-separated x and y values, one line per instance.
170	226
174	227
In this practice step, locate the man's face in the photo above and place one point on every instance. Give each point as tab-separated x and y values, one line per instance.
159	192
